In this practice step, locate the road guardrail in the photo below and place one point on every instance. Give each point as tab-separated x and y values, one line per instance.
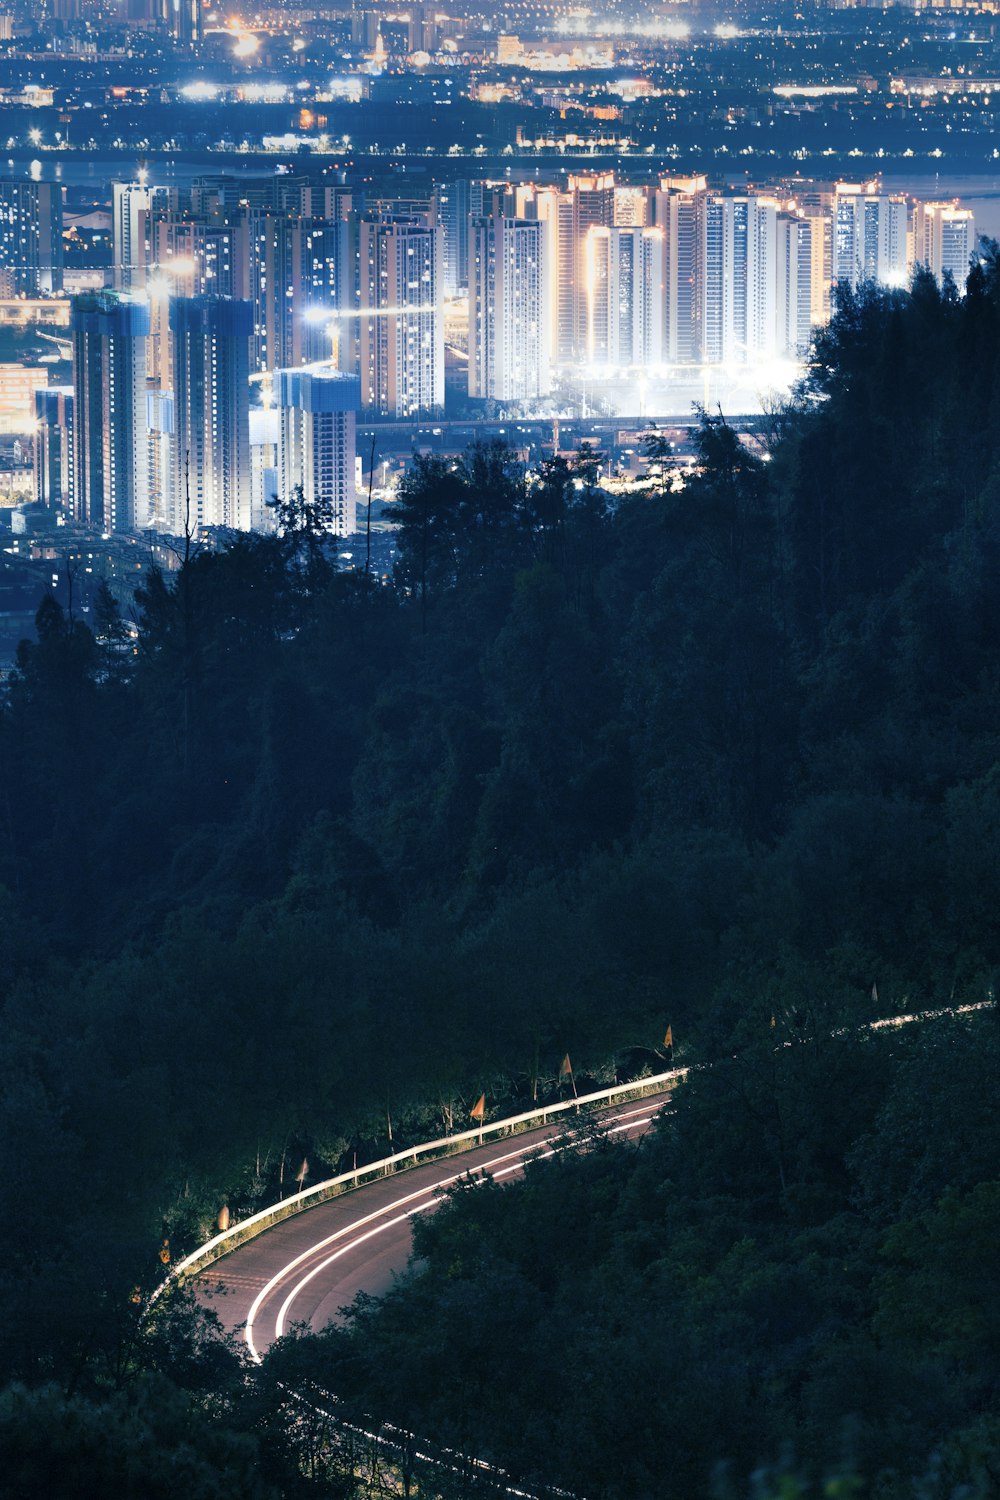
451	1145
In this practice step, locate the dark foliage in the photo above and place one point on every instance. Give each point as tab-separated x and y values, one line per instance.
298	855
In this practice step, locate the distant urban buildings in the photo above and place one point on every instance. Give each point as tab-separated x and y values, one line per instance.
316	442
53	448
624	287
869	235
943	240
508	347
110	451
401	343
210	449
250	320
31	243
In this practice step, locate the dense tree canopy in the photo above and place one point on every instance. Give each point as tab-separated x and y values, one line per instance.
288	854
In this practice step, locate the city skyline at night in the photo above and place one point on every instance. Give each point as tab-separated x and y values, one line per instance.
499	749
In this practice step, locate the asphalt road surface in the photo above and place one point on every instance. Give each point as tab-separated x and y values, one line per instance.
307	1268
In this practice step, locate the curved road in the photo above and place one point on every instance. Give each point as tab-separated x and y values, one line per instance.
305	1269
308	1267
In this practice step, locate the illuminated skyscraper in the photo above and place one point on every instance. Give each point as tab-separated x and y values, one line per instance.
754	279
761	325
454	205
53	448
186	255
944	239
160	461
316	444
794	283
588	200
869	236
724	279
110	452
131	203
401	345
31	244
816	201
679	210
265	436
195	254
508	357
625	297
452	212
296	269
210	339
631	209
182	18
591	204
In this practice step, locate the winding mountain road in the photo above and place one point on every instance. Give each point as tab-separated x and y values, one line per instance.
305	1269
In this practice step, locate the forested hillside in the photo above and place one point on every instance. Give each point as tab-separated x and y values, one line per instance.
301	859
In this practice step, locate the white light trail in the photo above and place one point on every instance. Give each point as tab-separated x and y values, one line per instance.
496	1166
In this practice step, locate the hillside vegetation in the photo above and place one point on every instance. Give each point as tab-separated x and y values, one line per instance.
305	858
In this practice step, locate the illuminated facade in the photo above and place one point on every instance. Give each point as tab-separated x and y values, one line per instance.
453	211
210	466
761	324
131	203
31	243
631	207
286	261
756	280
110	455
182	18
508	355
724	280
586	202
185	256
53	448
625	297
794	284
869	236
944	239
293	271
679	207
160	462
815	201
196	256
316	442
401	342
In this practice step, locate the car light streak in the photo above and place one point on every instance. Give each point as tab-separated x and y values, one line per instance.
431	1193
496	1166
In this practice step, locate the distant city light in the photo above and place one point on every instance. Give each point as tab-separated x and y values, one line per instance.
266	93
480	196
201	90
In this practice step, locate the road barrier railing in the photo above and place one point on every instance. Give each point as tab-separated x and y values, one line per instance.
450	1145
221	1244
